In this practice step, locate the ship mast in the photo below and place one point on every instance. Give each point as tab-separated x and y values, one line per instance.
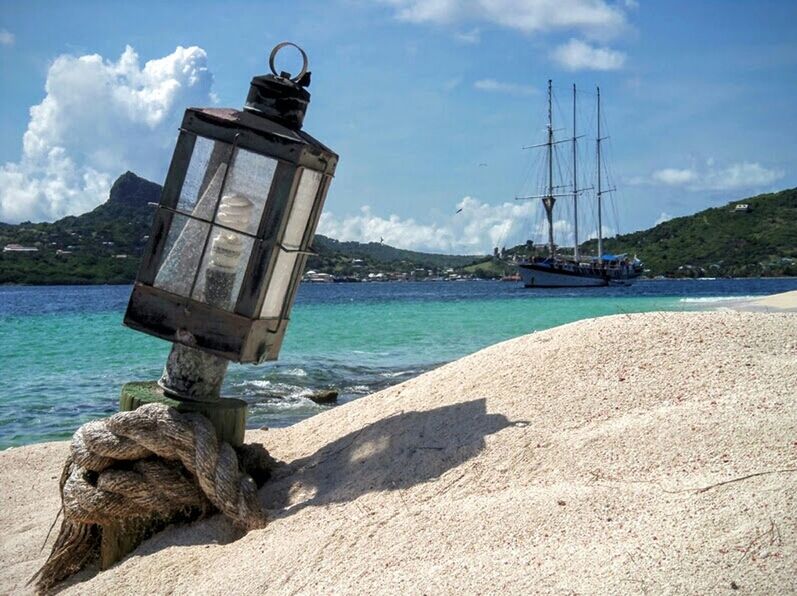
575	182
549	200
600	192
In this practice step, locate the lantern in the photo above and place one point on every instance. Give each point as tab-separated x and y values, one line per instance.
235	223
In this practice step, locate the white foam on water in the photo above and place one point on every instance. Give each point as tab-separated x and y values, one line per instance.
302	404
357	389
702	299
392	375
294	372
277	390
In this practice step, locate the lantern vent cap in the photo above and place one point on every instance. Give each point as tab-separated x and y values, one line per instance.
281	97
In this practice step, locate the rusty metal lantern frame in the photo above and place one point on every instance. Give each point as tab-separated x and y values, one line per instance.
238	334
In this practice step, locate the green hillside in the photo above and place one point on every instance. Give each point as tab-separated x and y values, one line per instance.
722	241
338	257
102	246
760	241
105	245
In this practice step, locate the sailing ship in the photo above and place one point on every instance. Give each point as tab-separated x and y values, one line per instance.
565	271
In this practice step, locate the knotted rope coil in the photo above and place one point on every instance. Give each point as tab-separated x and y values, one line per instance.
153	462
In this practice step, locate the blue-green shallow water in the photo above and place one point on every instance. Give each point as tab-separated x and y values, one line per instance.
64	354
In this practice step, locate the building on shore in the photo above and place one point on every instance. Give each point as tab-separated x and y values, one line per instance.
19	248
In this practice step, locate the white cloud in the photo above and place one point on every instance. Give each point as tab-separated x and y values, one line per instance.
562	232
493	86
98	119
596	18
737	176
6	38
662	218
579	55
471	37
674	176
476	229
608	232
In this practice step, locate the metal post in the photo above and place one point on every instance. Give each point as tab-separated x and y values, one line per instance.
600	192
550	200
575	181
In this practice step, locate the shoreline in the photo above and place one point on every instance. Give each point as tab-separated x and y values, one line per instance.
783	302
644	279
498	471
285	406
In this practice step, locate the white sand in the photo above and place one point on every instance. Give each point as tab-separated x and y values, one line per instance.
784	302
566	461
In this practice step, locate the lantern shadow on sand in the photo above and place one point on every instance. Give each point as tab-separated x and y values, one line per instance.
395	453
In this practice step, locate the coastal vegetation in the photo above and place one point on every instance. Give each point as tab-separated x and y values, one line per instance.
753	237
746	238
104	246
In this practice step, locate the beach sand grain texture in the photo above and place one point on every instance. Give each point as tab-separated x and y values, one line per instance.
646	453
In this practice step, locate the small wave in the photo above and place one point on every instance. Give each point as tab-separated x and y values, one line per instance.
269	389
294	372
357	389
256	383
393	375
717	298
265	407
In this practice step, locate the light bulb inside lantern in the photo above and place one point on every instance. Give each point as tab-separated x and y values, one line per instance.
235	211
226	249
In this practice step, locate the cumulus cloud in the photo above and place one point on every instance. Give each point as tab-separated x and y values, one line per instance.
579	55
6	38
476	229
662	218
99	118
596	18
737	176
493	86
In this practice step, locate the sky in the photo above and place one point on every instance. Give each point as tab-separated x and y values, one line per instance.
429	104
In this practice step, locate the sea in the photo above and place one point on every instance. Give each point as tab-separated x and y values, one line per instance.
64	353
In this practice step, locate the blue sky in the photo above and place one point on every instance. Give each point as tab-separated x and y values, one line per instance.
416	96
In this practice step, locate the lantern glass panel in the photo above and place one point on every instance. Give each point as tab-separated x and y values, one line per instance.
302	208
204	177
223	267
181	254
245	191
279	284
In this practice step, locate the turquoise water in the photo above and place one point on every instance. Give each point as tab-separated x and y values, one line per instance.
64	353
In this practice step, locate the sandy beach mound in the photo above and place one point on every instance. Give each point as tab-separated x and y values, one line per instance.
652	453
783	302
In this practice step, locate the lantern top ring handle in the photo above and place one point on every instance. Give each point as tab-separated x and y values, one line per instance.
274	53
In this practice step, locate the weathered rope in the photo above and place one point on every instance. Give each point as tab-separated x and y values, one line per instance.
153	462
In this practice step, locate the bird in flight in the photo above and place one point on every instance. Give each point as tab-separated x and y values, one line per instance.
381	239
460	209
482	165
